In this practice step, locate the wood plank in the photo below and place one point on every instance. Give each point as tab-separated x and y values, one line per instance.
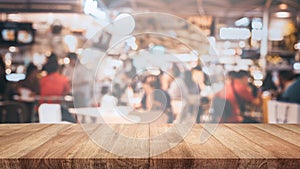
88	154
27	141
55	152
8	128
293	127
278	147
141	145
281	132
250	155
7	131
131	146
191	152
163	137
114	138
15	139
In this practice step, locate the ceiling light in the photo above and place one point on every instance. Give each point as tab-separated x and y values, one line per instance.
283	6
297	46
256	23
234	33
296	66
242	22
282	14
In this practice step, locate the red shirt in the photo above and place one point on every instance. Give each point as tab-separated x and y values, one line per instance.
54	84
242	91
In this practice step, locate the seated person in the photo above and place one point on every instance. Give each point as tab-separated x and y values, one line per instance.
107	101
31	84
288	85
155	98
55	84
292	93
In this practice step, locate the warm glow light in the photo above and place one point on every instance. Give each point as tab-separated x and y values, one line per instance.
60	61
12	49
283	6
297	46
43	73
8	71
134	47
239	51
8	62
282	14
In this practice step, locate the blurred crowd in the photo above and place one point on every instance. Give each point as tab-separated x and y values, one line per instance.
155	90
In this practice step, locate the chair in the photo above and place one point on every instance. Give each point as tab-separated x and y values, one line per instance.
49	113
13	112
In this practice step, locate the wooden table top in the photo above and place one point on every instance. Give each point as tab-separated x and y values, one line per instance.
230	146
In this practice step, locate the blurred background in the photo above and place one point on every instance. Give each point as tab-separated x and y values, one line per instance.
242	56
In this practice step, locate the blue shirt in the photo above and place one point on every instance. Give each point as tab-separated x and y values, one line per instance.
292	94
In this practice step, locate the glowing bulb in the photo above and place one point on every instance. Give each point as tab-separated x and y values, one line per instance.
282	14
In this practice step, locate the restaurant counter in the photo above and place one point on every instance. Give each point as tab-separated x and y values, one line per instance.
230	146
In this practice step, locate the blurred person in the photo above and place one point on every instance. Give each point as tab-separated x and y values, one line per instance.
245	92
192	96
269	88
165	80
3	81
108	101
178	89
55	84
28	88
286	78
268	83
81	84
198	77
292	92
155	98
31	82
237	93
180	93
190	84
129	68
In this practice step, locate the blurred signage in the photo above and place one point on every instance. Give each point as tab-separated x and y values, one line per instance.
235	33
15	33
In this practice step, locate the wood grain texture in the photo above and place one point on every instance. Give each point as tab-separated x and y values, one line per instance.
148	146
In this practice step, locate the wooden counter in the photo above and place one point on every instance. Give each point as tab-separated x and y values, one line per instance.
231	146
